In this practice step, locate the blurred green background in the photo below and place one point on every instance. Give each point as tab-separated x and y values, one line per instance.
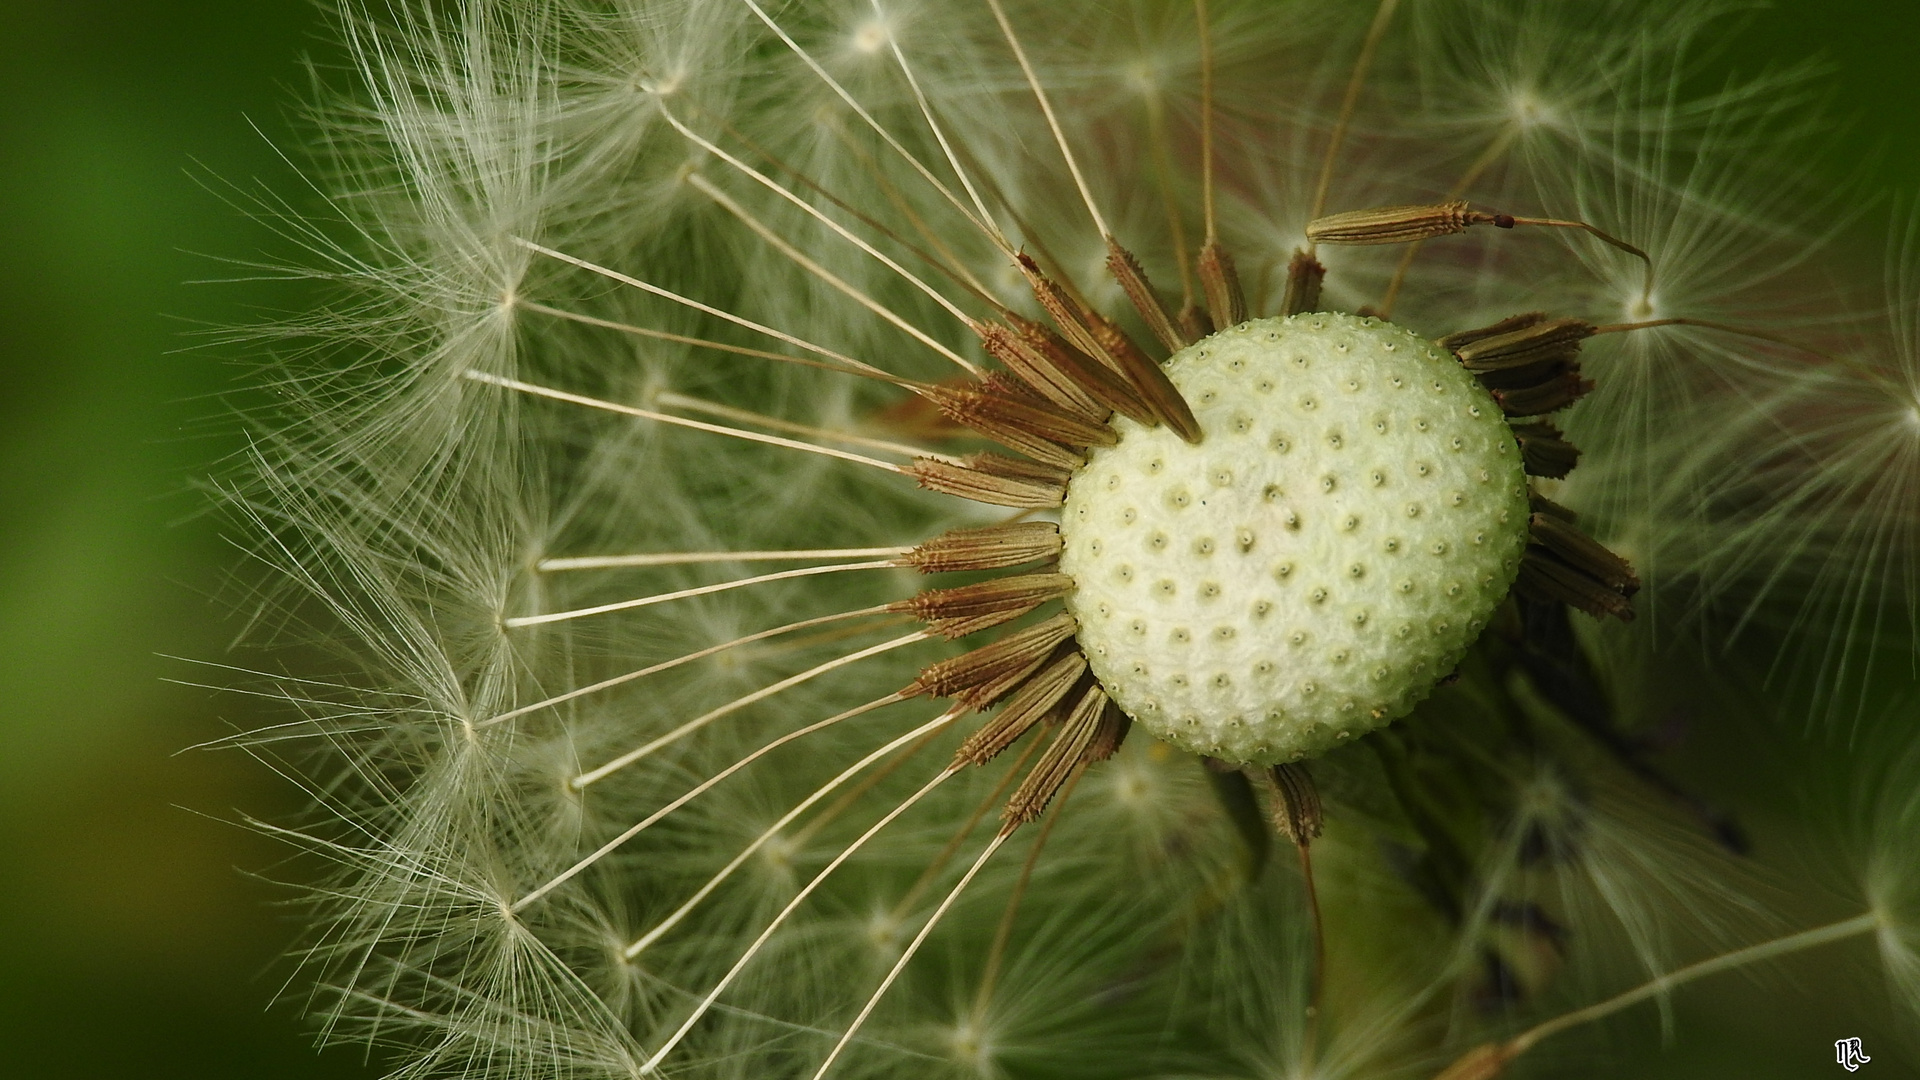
134	940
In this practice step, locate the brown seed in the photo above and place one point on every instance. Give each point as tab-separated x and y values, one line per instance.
1584	553
1558	392
1067	752
1543	342
981	677
1455	341
1226	301
992	548
1097	336
1304	275
1095	378
994	479
1399	224
1036	699
1033	369
1545	576
1296	803
1544	451
1133	281
968	609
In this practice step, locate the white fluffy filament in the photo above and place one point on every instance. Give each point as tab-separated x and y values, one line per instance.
652	1064
742	702
650	820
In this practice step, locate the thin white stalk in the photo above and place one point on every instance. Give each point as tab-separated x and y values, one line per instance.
990	227
672	400
1053	122
704	786
771	185
703	590
708	309
900	965
779	244
677	421
652	1064
861	111
1752	954
640	945
840	368
682	558
667	665
765	692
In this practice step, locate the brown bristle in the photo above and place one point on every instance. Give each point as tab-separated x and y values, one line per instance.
1133	281
968	609
1033	701
992	548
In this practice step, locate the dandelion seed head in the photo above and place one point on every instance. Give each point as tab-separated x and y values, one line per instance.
709	279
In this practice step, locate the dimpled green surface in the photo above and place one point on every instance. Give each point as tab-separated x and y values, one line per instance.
1308	571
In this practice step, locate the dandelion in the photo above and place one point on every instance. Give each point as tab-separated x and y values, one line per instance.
686	343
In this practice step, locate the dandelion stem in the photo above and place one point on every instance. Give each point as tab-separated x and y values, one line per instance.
708	309
681	558
806	263
702	590
922	733
804	834
861	111
1002	933
939	862
652	1064
742	702
1876	377
1206	119
665	665
687	403
1053	122
1646	283
1309	1048
650	820
846	234
985	222
1487	157
1488	1060
918	939
719	346
1381	17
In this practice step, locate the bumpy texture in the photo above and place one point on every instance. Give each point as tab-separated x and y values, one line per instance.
1318	561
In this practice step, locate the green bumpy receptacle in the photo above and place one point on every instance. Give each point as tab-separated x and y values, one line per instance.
1318	561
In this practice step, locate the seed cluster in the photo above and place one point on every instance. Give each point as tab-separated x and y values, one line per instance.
1308	571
